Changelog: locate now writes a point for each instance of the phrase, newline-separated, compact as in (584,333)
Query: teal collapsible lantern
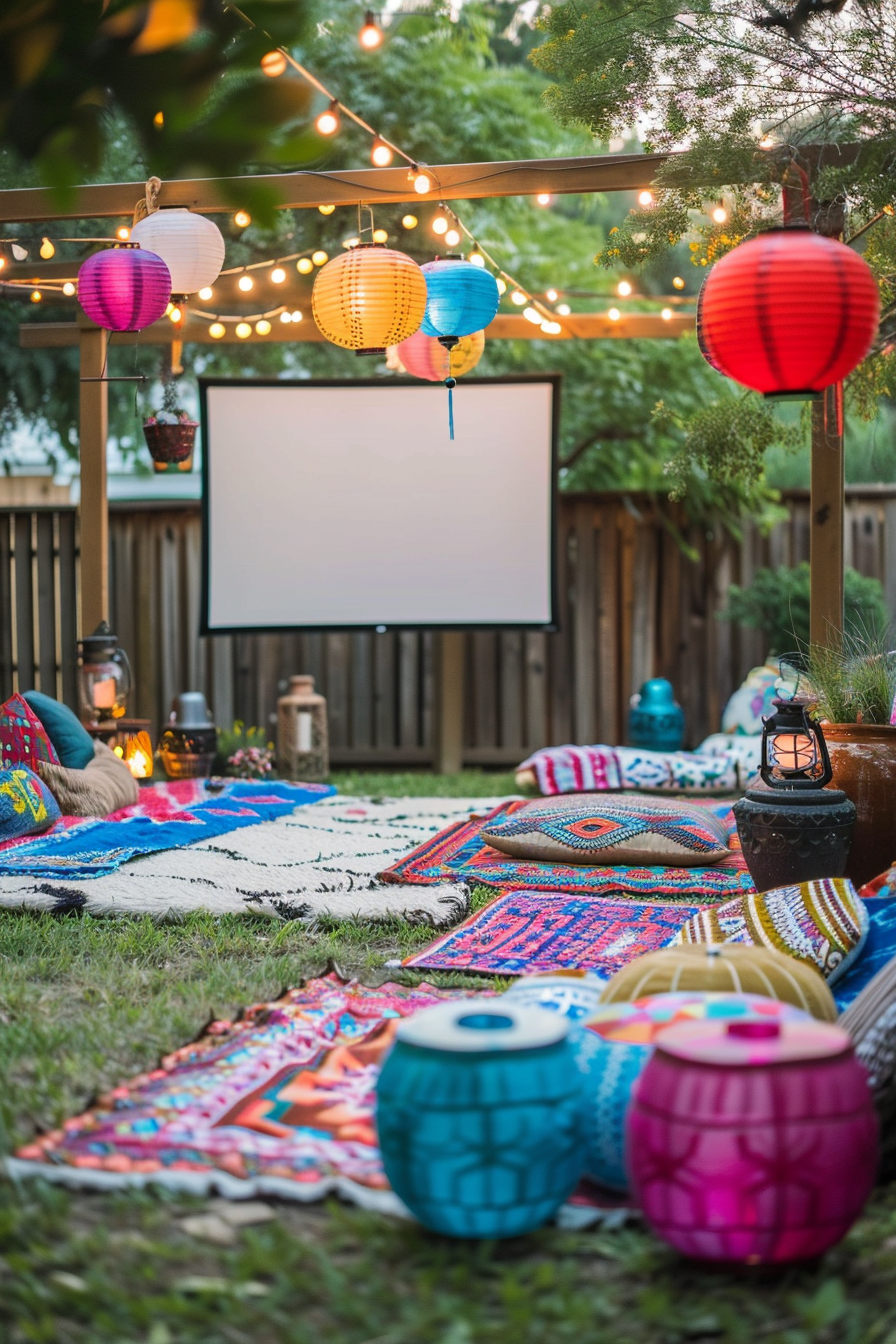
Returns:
(655,719)
(460,298)
(480,1117)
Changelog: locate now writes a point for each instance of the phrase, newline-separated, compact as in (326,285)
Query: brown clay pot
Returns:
(863,758)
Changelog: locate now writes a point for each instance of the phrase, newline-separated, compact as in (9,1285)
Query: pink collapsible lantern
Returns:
(752,1141)
(124,288)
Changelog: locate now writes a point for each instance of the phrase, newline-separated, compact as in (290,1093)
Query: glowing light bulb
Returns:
(304,265)
(351,242)
(371,35)
(278,275)
(263,327)
(217,330)
(36,296)
(720,214)
(440,224)
(476,259)
(551,328)
(422,183)
(552,296)
(2,263)
(532,315)
(176,315)
(296,315)
(409,221)
(286,317)
(159,120)
(645,198)
(666,314)
(47,250)
(614,314)
(380,154)
(380,236)
(328,122)
(243,330)
(767,142)
(242,219)
(623,289)
(319,257)
(452,237)
(206,293)
(169,310)
(518,297)
(246,283)
(68,289)
(677,282)
(502,284)
(543,198)
(326,209)
(563,309)
(273,64)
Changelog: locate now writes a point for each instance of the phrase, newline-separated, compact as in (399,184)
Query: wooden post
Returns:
(94,509)
(449,717)
(827,520)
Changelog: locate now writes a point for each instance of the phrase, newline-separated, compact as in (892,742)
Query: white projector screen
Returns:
(339,505)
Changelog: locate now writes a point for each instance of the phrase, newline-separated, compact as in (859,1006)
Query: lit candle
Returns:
(103,693)
(304,725)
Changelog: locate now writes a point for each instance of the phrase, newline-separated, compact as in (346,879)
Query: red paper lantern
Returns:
(788,313)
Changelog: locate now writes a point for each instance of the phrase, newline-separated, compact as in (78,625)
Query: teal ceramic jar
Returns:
(480,1117)
(655,719)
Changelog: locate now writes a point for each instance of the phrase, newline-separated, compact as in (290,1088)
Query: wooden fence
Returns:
(631,606)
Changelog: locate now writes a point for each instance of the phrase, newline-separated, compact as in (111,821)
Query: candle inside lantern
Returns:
(304,730)
(103,693)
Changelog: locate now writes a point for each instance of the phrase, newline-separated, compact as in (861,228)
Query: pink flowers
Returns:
(250,762)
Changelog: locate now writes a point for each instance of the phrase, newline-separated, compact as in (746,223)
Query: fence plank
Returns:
(46,604)
(24,590)
(68,606)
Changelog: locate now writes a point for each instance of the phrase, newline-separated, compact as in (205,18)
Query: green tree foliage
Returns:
(777,603)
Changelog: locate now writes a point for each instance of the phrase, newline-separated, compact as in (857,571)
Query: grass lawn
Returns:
(85,1003)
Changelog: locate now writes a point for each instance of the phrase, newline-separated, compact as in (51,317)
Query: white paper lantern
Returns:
(190,245)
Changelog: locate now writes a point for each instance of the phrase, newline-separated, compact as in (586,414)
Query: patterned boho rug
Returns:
(278,1103)
(524,932)
(459,854)
(320,860)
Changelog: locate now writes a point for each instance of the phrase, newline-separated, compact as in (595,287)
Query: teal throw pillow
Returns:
(26,804)
(73,743)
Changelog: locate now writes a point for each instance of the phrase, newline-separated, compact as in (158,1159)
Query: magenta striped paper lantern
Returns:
(124,288)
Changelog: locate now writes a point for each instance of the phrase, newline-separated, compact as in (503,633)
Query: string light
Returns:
(242,220)
(767,142)
(518,297)
(263,327)
(614,314)
(409,221)
(440,224)
(645,198)
(563,310)
(720,214)
(677,282)
(273,64)
(326,209)
(47,250)
(623,289)
(217,330)
(666,314)
(476,258)
(501,283)
(206,293)
(176,315)
(328,122)
(452,237)
(304,265)
(36,296)
(246,283)
(551,328)
(544,198)
(278,275)
(422,181)
(295,315)
(2,263)
(351,242)
(533,315)
(320,257)
(159,120)
(68,289)
(380,154)
(169,310)
(285,317)
(371,35)
(380,236)
(552,296)
(243,330)
(123,234)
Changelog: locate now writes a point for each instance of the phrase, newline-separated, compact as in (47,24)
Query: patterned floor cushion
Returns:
(27,806)
(23,738)
(588,829)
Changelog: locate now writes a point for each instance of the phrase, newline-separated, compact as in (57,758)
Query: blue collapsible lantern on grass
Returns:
(480,1117)
(460,298)
(655,719)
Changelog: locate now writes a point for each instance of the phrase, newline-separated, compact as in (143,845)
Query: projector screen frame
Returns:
(204,384)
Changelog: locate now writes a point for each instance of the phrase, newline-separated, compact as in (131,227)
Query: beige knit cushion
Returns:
(103,786)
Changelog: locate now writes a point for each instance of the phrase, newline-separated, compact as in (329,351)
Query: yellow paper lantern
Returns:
(425,357)
(368,298)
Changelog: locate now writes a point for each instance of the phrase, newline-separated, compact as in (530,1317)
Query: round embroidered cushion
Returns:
(727,968)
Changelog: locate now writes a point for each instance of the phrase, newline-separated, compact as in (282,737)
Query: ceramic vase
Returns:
(863,759)
(655,719)
(752,1142)
(479,1116)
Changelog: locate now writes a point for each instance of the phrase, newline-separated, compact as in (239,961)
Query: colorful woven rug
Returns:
(524,932)
(280,1103)
(165,817)
(459,853)
(879,948)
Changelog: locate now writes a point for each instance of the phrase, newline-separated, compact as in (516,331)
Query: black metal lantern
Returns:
(793,828)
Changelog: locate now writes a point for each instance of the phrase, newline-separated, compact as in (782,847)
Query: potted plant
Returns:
(170,433)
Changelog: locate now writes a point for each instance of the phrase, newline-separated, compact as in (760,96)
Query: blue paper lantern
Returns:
(480,1117)
(460,298)
(655,719)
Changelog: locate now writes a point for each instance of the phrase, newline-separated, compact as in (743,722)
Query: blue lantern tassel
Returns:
(451,384)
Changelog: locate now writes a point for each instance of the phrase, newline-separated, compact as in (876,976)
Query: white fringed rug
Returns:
(320,861)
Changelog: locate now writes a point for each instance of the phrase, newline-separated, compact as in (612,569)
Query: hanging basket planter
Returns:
(170,442)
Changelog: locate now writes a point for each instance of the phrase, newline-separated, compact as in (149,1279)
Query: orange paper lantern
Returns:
(425,357)
(369,298)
